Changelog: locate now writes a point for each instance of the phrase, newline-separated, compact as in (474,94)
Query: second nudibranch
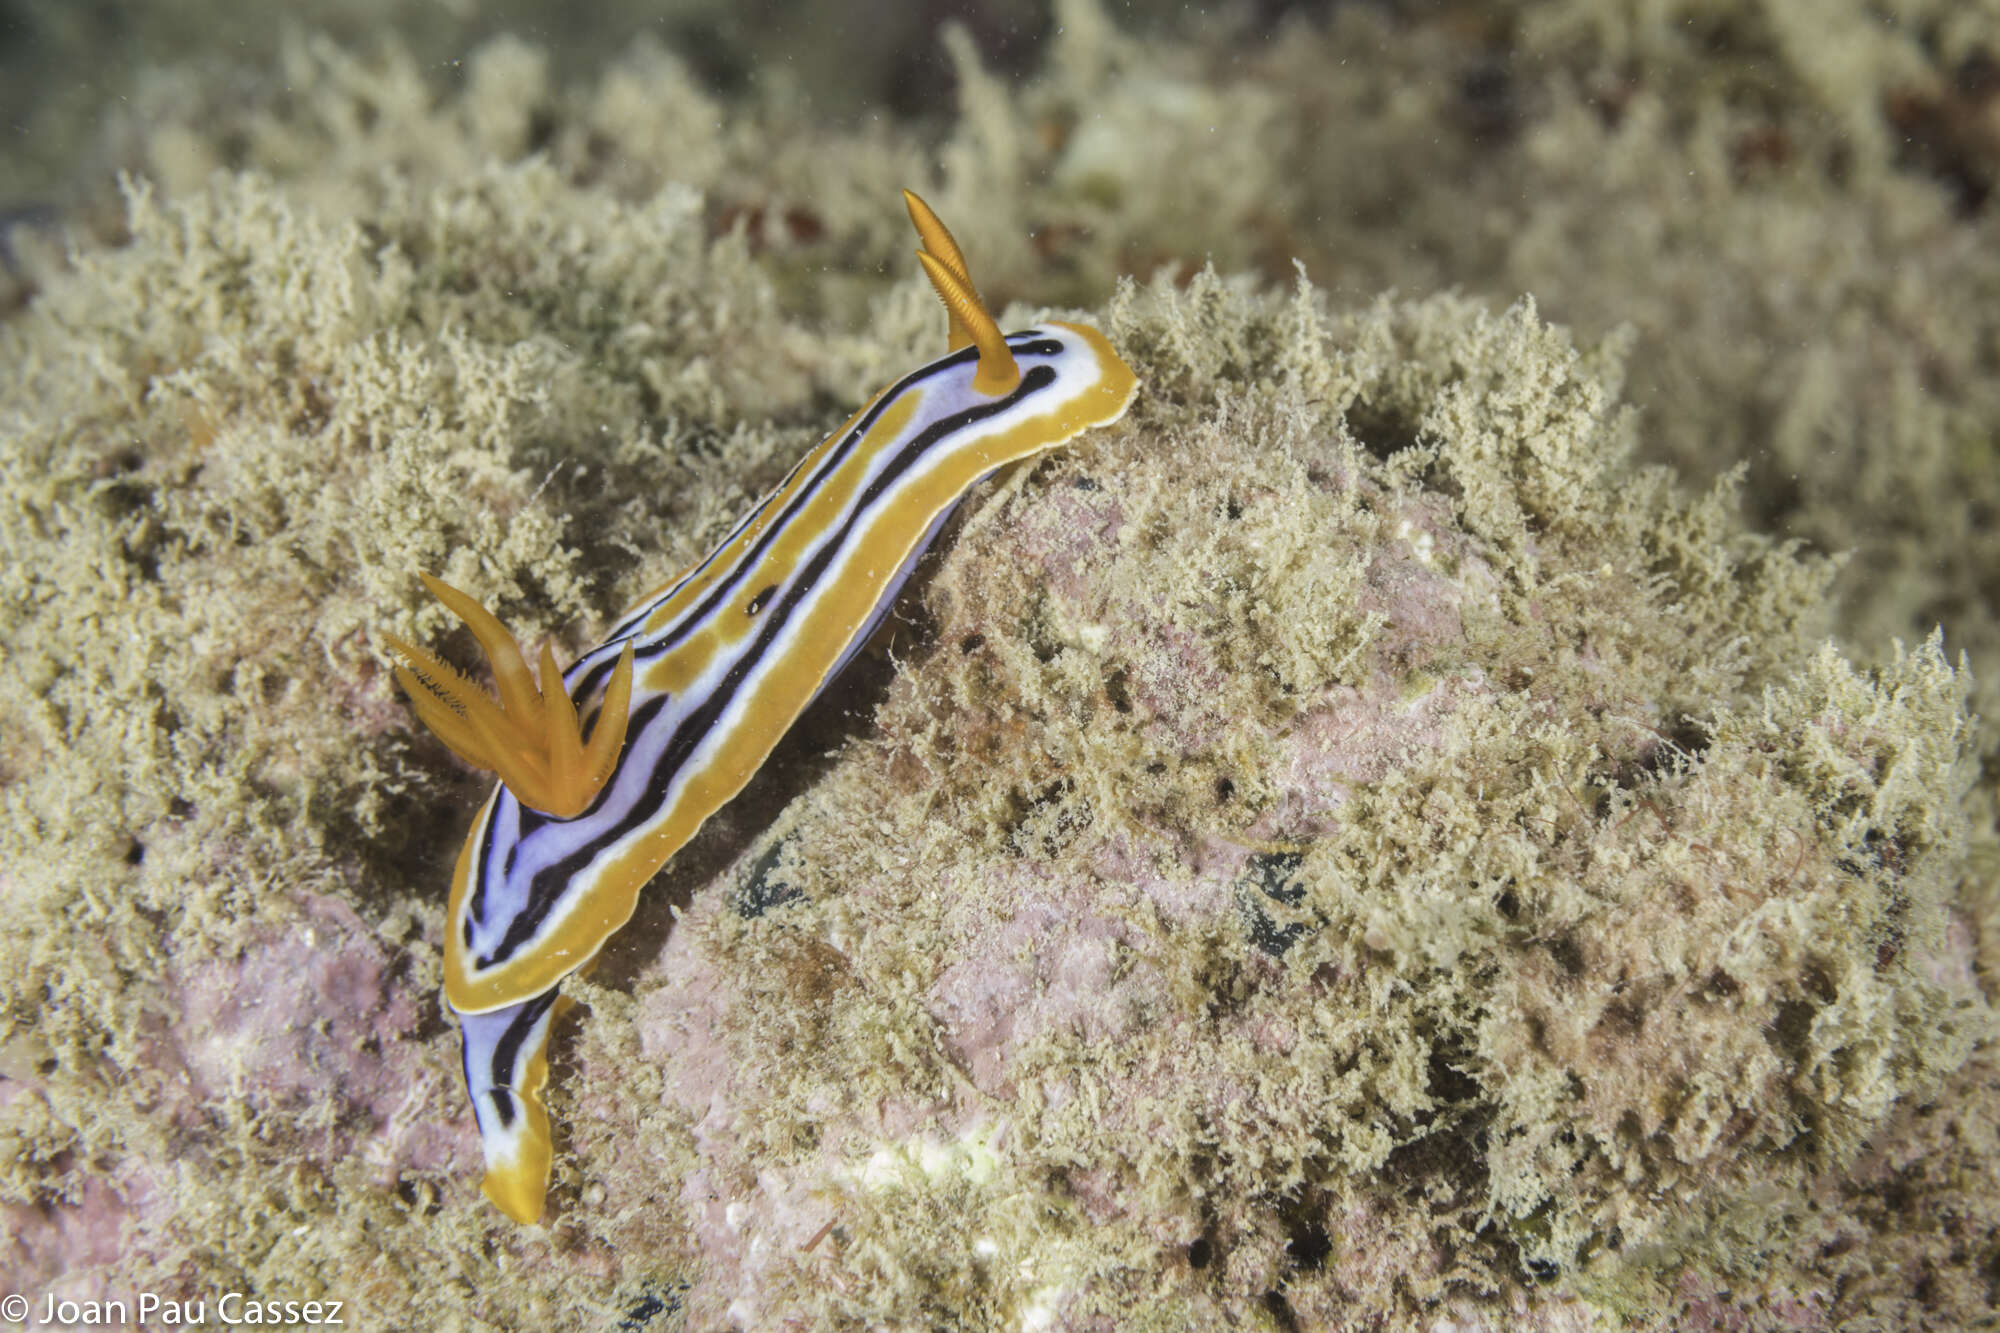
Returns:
(694,686)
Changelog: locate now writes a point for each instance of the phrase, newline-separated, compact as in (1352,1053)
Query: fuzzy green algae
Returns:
(1575,1002)
(1346,844)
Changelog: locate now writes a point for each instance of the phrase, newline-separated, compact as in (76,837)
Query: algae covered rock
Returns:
(1346,846)
(1347,842)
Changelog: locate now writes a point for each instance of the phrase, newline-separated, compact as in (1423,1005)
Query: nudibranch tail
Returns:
(506,1068)
(971,324)
(532,738)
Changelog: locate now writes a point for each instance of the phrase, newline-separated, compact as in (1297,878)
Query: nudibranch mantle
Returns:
(712,670)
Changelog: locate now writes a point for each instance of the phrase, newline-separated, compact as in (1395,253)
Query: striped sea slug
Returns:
(692,689)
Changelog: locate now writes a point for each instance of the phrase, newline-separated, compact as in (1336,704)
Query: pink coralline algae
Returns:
(298,1038)
(298,1026)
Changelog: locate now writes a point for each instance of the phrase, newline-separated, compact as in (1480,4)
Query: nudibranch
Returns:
(692,689)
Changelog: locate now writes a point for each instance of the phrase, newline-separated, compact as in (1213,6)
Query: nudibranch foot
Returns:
(532,739)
